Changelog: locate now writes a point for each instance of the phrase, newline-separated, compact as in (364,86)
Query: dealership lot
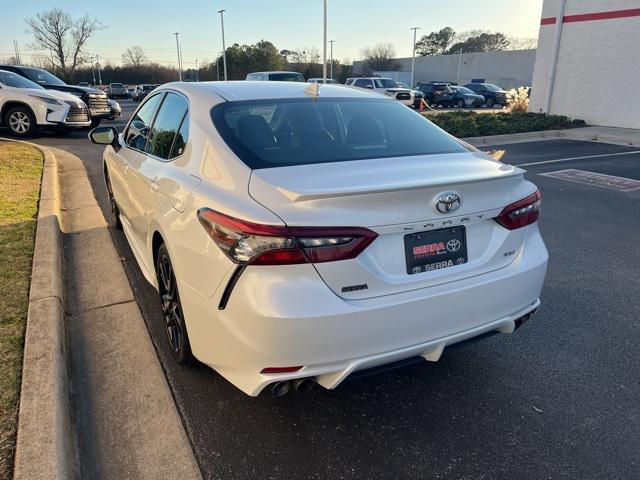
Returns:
(556,399)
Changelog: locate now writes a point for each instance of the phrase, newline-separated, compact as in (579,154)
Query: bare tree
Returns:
(134,56)
(380,57)
(55,31)
(520,43)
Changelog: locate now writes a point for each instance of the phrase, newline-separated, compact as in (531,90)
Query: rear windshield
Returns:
(286,132)
(286,77)
(117,85)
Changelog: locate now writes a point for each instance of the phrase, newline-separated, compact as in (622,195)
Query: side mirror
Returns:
(105,136)
(369,86)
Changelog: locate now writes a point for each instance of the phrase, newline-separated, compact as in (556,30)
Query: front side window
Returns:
(136,135)
(42,76)
(286,132)
(166,125)
(385,83)
(14,80)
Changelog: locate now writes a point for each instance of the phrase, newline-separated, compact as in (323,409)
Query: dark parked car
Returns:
(463,97)
(117,90)
(493,94)
(436,93)
(96,100)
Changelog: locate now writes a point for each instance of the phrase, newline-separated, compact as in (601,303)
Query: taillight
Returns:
(521,213)
(251,243)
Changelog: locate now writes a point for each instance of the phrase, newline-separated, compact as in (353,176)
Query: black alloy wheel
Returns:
(172,308)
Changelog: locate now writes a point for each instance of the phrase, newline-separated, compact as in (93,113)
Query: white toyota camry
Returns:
(299,233)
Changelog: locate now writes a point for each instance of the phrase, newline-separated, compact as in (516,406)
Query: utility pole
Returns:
(17,53)
(98,67)
(178,50)
(331,61)
(459,65)
(196,69)
(413,54)
(224,48)
(324,46)
(93,73)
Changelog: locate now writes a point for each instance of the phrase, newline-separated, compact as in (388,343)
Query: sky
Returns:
(288,24)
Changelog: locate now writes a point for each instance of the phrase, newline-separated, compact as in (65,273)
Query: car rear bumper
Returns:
(293,319)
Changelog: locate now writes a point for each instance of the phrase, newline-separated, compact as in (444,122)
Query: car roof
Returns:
(276,71)
(256,90)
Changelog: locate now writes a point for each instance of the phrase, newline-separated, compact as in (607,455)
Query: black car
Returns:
(493,94)
(436,93)
(463,97)
(95,99)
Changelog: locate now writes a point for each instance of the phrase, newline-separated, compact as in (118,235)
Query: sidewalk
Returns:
(124,420)
(614,135)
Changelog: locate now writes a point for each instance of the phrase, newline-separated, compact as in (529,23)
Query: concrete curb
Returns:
(45,442)
(587,134)
(511,138)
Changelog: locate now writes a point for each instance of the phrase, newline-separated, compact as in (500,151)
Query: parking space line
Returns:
(584,157)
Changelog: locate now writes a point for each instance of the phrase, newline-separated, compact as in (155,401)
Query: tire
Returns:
(460,103)
(490,102)
(115,211)
(175,328)
(21,121)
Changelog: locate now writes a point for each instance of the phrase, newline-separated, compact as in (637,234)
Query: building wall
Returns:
(598,65)
(508,69)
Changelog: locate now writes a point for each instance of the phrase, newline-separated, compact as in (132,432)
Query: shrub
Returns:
(519,100)
(472,124)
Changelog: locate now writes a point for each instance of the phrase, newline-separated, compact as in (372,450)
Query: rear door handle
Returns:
(155,185)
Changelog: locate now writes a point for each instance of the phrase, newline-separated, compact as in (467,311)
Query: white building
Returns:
(508,69)
(588,61)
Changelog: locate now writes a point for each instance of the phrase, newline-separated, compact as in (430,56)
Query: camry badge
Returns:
(448,202)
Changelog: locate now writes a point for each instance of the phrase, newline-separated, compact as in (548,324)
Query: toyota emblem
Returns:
(448,202)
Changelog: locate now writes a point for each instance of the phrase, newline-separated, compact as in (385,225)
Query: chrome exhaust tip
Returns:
(279,389)
(303,385)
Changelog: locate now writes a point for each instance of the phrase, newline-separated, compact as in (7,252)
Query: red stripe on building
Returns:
(588,17)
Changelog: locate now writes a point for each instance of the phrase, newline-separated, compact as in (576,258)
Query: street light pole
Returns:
(224,48)
(331,61)
(413,54)
(93,73)
(178,50)
(324,46)
(98,67)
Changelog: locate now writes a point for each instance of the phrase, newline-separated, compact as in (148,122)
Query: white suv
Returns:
(25,106)
(385,86)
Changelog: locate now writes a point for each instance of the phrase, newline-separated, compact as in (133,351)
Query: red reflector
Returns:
(521,213)
(280,369)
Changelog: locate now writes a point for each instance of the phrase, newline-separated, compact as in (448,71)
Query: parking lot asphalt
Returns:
(556,399)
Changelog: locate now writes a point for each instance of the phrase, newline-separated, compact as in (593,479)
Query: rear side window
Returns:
(166,125)
(285,132)
(136,136)
(180,142)
(362,83)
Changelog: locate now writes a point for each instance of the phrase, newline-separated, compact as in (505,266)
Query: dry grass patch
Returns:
(20,174)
